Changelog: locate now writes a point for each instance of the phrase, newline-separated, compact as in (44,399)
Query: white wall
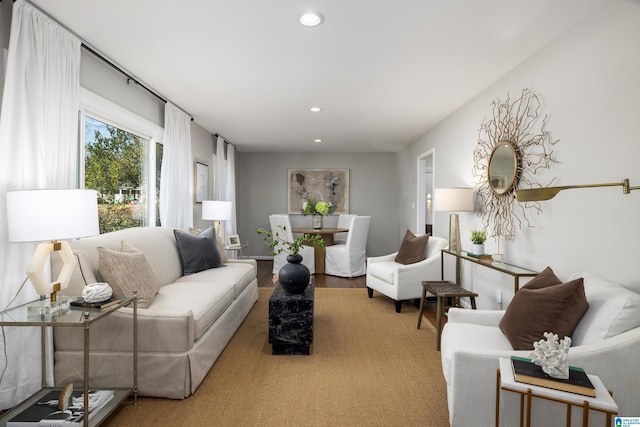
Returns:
(589,84)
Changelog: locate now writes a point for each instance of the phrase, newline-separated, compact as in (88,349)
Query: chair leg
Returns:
(398,306)
(370,292)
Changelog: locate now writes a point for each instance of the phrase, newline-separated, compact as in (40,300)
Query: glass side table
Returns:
(40,313)
(239,250)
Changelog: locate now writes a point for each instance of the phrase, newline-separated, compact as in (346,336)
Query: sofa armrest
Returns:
(478,317)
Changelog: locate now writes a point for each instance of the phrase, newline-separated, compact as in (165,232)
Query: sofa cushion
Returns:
(205,300)
(613,309)
(384,270)
(532,312)
(127,269)
(237,274)
(412,249)
(198,252)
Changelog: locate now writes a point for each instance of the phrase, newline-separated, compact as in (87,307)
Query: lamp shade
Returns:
(456,199)
(41,215)
(216,210)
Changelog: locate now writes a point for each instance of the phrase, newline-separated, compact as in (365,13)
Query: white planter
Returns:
(478,249)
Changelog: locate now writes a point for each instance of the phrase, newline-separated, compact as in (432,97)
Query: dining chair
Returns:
(344,221)
(281,224)
(349,259)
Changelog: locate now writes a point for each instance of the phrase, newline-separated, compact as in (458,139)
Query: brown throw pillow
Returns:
(413,248)
(127,269)
(532,312)
(544,279)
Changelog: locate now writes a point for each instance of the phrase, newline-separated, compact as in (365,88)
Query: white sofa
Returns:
(181,333)
(402,282)
(606,343)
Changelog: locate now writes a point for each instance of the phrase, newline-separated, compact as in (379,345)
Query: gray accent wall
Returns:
(261,181)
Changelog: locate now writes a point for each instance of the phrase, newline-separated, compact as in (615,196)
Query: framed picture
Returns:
(233,241)
(201,181)
(328,185)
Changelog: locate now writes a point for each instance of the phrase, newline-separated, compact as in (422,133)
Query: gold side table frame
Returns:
(603,402)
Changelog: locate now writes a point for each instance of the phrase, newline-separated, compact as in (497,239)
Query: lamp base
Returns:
(454,233)
(46,308)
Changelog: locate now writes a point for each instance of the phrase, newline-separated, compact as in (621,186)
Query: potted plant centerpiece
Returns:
(478,237)
(318,209)
(293,276)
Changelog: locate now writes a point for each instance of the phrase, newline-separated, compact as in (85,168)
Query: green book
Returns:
(527,372)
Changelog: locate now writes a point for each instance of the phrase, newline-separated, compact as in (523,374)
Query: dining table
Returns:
(318,251)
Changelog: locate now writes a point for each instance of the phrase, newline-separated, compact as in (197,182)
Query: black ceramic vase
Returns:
(294,276)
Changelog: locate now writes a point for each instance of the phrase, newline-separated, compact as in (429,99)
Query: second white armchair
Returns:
(402,282)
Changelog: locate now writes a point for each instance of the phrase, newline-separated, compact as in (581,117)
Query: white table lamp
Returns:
(50,215)
(217,211)
(454,200)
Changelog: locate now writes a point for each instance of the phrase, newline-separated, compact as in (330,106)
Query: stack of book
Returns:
(101,305)
(483,257)
(525,371)
(46,411)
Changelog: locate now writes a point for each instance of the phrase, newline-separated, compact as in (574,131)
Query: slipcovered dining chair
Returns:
(400,281)
(281,224)
(349,259)
(344,221)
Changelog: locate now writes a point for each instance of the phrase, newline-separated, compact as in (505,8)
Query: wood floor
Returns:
(265,279)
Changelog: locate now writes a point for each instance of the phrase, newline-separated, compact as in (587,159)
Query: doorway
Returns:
(424,208)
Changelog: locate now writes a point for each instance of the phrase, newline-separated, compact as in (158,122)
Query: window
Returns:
(121,164)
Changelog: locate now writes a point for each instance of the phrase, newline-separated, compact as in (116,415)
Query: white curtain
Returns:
(176,176)
(221,171)
(231,226)
(39,146)
(226,180)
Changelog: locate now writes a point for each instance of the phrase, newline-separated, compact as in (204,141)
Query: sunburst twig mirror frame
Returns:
(517,124)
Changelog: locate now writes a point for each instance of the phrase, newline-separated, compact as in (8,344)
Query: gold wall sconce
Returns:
(546,193)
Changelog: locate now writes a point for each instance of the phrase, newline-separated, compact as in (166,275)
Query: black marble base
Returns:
(291,321)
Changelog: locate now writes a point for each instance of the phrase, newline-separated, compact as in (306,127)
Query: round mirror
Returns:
(503,165)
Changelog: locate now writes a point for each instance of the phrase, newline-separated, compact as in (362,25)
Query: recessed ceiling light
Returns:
(317,140)
(311,19)
(315,109)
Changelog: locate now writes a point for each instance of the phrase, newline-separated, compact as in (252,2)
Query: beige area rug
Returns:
(369,366)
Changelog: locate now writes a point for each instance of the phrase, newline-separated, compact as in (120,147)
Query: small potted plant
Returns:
(478,237)
(293,276)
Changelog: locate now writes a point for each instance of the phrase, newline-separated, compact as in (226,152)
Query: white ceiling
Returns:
(384,71)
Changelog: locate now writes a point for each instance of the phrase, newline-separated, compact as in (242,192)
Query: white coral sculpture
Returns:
(552,355)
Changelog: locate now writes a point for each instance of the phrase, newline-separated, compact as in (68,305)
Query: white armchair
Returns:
(402,282)
(282,225)
(606,343)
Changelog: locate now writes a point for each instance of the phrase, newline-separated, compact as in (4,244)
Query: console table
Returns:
(291,321)
(503,267)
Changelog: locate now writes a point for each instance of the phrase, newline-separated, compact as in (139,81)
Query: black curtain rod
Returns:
(129,77)
(225,139)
